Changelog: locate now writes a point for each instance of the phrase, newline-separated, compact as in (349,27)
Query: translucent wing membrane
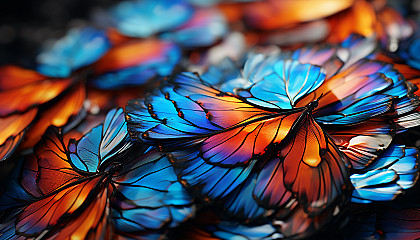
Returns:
(101,143)
(362,143)
(31,95)
(289,82)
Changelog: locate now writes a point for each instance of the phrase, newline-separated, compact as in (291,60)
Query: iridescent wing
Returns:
(289,82)
(187,111)
(148,195)
(212,181)
(101,144)
(362,91)
(241,205)
(395,170)
(53,168)
(269,190)
(205,28)
(47,212)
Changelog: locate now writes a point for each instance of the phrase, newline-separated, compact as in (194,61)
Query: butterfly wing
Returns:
(188,111)
(61,113)
(101,143)
(314,168)
(14,129)
(362,143)
(396,169)
(78,48)
(203,29)
(289,82)
(148,195)
(140,19)
(135,62)
(22,98)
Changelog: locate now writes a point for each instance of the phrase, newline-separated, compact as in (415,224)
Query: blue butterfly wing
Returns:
(211,181)
(149,195)
(145,18)
(241,205)
(384,179)
(79,48)
(289,82)
(101,143)
(232,230)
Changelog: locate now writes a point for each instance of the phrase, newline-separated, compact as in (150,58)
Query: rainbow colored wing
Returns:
(47,213)
(364,90)
(269,189)
(187,111)
(79,48)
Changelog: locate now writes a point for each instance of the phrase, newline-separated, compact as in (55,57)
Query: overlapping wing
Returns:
(187,111)
(135,62)
(148,195)
(101,143)
(314,168)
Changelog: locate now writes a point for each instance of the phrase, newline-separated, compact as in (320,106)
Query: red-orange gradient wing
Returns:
(57,115)
(314,169)
(13,130)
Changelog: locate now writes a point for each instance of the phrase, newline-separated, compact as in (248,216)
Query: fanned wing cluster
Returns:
(286,134)
(221,138)
(97,187)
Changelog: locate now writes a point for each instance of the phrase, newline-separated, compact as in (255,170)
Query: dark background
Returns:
(26,24)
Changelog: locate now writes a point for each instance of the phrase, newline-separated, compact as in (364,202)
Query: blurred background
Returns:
(25,24)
